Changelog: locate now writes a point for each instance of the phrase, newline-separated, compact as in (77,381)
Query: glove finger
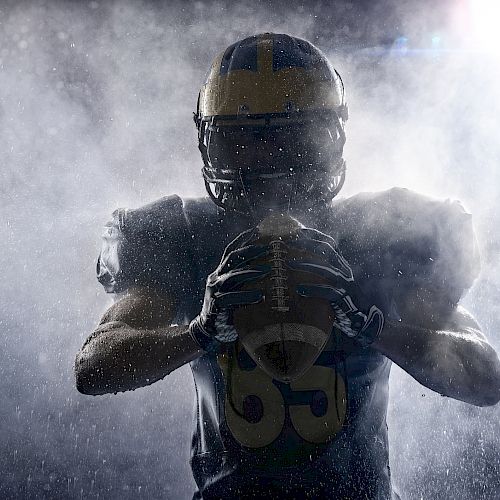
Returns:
(338,297)
(325,292)
(374,323)
(234,279)
(240,241)
(328,252)
(233,299)
(344,323)
(327,272)
(242,256)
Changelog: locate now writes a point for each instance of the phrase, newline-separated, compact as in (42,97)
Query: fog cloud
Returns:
(96,112)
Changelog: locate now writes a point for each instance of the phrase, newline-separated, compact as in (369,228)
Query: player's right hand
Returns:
(214,325)
(355,316)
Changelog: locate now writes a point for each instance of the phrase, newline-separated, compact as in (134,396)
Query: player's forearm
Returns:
(463,367)
(119,358)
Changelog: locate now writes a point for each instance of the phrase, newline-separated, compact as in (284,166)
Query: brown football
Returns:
(285,333)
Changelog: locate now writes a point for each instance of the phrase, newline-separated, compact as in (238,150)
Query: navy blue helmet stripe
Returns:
(287,52)
(240,55)
(291,52)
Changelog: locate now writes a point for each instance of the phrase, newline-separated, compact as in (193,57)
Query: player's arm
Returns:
(439,344)
(134,345)
(446,352)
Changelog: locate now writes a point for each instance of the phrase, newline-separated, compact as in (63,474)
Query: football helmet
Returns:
(270,119)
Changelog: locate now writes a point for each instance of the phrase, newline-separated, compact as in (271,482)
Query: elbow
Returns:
(487,386)
(489,400)
(478,396)
(96,374)
(82,384)
(489,394)
(93,366)
(87,378)
(83,376)
(475,381)
(486,396)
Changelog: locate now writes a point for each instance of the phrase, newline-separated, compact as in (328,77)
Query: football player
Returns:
(270,120)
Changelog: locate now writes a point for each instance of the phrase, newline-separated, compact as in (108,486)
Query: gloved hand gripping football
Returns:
(355,317)
(213,326)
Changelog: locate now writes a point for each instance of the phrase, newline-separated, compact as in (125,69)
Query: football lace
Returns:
(279,290)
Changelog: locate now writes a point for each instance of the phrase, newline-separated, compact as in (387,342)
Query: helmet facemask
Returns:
(287,163)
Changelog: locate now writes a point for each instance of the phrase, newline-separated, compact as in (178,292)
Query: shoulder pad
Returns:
(147,246)
(200,211)
(409,240)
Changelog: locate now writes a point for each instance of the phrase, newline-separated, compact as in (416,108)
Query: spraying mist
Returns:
(96,110)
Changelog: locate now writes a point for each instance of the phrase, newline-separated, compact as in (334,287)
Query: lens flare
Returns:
(484,18)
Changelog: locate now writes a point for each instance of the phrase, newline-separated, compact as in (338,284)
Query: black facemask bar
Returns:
(230,183)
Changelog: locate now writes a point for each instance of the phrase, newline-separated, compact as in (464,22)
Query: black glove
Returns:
(355,317)
(214,326)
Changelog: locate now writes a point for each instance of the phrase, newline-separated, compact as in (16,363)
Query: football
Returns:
(285,333)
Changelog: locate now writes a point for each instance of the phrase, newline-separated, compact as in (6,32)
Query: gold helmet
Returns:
(270,120)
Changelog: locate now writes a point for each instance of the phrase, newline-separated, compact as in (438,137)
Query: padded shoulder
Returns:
(147,246)
(411,242)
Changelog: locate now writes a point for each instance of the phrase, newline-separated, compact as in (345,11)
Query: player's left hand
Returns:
(355,317)
(224,292)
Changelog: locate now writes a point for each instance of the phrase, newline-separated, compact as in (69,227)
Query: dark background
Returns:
(95,113)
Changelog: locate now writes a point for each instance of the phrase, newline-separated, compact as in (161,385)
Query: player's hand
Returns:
(223,293)
(355,316)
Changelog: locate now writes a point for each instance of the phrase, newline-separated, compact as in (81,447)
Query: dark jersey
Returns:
(325,432)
